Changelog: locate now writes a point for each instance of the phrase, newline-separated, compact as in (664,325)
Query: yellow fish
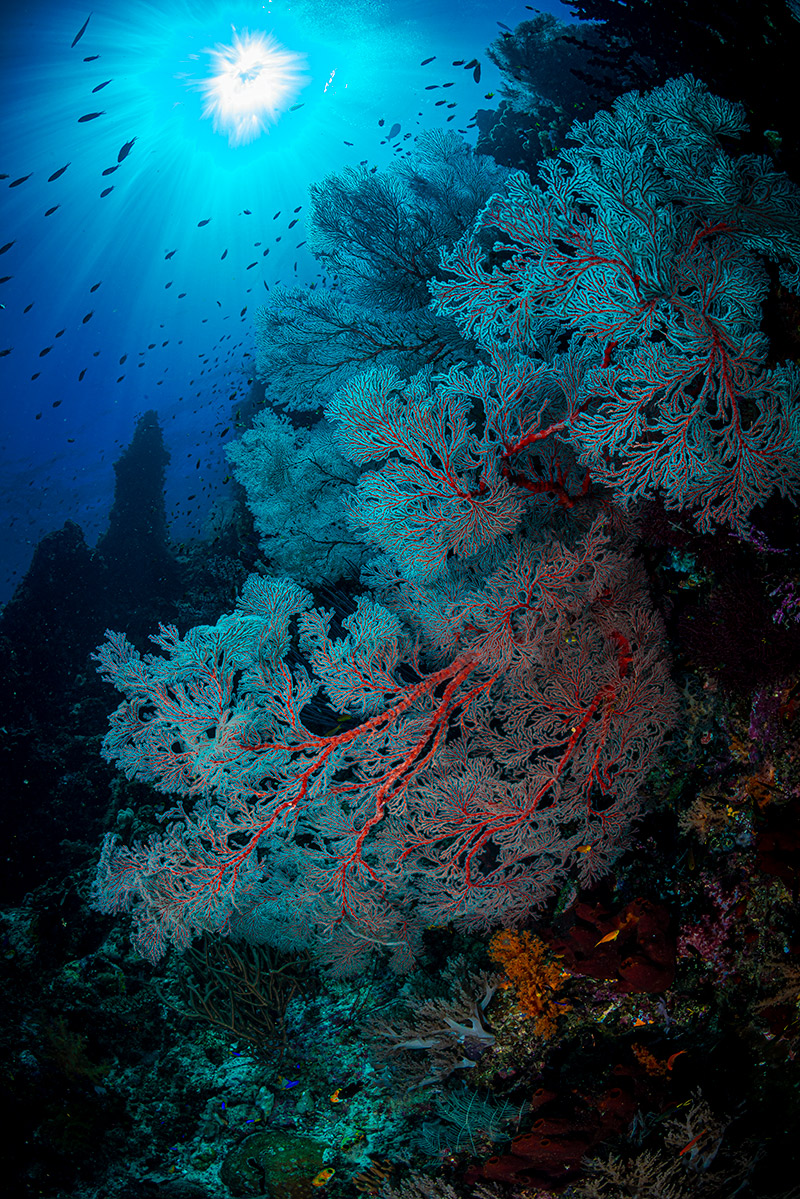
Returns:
(324,1176)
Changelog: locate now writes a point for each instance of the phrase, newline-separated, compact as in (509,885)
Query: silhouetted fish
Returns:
(92,58)
(50,211)
(90,116)
(111,170)
(100,86)
(126,149)
(106,192)
(57,174)
(169,254)
(95,286)
(476,74)
(393,132)
(80,32)
(7,246)
(17,182)
(200,224)
(425,61)
(88,317)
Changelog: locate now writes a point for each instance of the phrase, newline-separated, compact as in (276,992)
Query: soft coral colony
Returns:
(473,723)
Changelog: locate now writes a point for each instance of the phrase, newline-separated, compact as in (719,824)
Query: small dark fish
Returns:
(393,132)
(502,26)
(473,62)
(17,182)
(90,116)
(57,174)
(7,246)
(425,61)
(476,74)
(381,122)
(431,87)
(46,350)
(299,206)
(448,85)
(56,404)
(293,223)
(169,254)
(100,86)
(92,58)
(5,353)
(80,32)
(250,267)
(95,286)
(247,212)
(167,286)
(88,317)
(27,308)
(106,192)
(223,255)
(200,224)
(81,375)
(244,310)
(6,278)
(459,62)
(348,143)
(111,170)
(277,214)
(123,359)
(295,107)
(126,149)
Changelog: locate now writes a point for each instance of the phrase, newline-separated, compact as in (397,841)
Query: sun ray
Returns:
(252,81)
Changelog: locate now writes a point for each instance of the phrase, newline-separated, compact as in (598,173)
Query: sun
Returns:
(250,82)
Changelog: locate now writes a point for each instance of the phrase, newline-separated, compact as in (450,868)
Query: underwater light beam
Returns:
(252,81)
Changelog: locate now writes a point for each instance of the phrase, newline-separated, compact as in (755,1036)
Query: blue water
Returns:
(172,333)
